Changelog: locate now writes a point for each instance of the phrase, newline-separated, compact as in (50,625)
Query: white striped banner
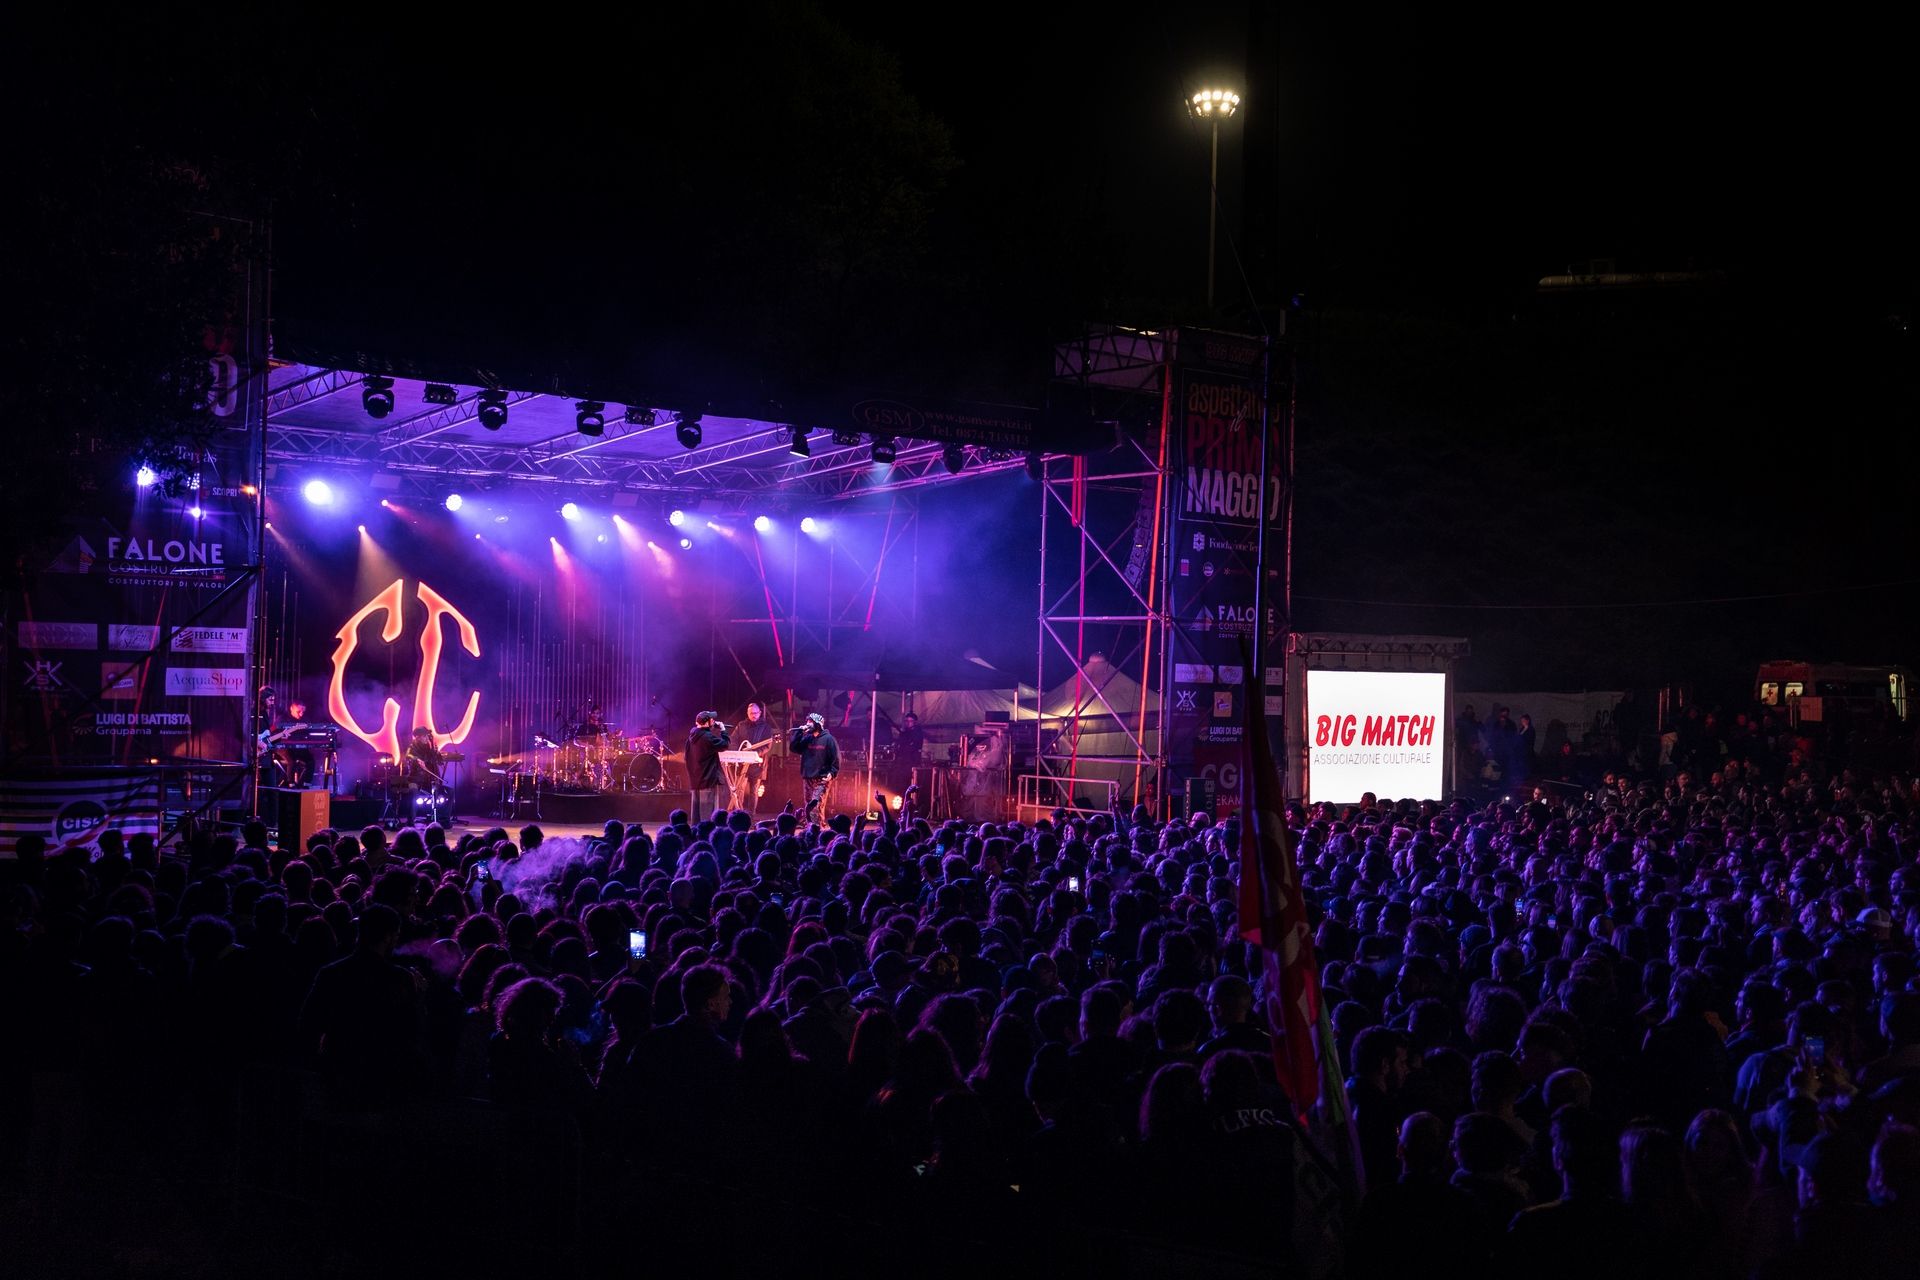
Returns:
(71,812)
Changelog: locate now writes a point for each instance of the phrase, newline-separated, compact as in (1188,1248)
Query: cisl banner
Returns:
(1375,731)
(1217,409)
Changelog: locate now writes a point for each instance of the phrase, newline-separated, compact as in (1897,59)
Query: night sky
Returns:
(1599,489)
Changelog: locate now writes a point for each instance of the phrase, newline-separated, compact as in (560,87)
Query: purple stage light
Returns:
(318,492)
(146,477)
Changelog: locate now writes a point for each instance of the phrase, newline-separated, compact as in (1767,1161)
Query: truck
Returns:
(1809,690)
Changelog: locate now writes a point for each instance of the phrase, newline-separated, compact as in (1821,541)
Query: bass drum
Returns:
(641,773)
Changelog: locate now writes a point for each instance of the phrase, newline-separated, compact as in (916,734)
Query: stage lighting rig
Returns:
(639,416)
(688,431)
(800,448)
(846,438)
(590,418)
(376,395)
(885,450)
(493,409)
(439,393)
(954,458)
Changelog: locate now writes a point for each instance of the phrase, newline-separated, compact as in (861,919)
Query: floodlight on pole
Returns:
(1213,106)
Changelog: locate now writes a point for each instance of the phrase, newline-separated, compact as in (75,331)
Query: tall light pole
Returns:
(1213,106)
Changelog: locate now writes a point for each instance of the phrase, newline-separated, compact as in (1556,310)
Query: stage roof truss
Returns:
(316,418)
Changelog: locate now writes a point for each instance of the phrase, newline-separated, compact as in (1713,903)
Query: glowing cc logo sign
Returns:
(387,739)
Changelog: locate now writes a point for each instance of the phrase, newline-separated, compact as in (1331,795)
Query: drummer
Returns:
(755,732)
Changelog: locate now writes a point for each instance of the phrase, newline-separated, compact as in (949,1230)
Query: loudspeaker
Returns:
(1200,794)
(351,813)
(300,813)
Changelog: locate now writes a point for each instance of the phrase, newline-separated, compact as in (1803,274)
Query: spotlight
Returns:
(145,477)
(600,538)
(800,448)
(954,458)
(195,511)
(570,510)
(455,502)
(193,482)
(493,409)
(885,450)
(500,519)
(439,393)
(676,518)
(363,528)
(686,544)
(639,416)
(846,437)
(318,492)
(688,431)
(762,525)
(386,504)
(808,524)
(590,418)
(376,395)
(1036,466)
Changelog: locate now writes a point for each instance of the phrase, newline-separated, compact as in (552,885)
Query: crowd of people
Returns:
(1669,1024)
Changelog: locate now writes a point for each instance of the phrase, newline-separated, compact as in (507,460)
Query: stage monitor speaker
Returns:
(351,813)
(300,813)
(1200,796)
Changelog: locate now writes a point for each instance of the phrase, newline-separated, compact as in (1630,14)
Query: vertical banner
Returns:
(1215,416)
(132,643)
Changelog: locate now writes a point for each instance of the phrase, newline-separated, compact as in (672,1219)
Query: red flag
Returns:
(1273,915)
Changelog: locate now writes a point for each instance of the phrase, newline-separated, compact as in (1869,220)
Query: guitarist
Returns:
(755,733)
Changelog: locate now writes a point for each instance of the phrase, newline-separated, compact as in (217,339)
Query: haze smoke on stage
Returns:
(535,875)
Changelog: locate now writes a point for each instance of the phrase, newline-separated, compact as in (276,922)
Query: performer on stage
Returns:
(819,761)
(912,741)
(705,778)
(292,765)
(756,734)
(422,768)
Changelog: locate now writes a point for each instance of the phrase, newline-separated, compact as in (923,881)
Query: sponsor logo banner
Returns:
(1378,731)
(210,640)
(122,683)
(1193,672)
(206,682)
(132,636)
(37,634)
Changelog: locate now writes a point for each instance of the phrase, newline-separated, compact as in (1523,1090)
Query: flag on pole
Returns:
(1273,915)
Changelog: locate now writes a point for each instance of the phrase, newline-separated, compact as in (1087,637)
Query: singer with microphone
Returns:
(819,763)
(705,778)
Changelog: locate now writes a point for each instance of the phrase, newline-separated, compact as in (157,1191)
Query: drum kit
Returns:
(588,757)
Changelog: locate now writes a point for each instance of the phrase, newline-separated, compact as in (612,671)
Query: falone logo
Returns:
(386,739)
